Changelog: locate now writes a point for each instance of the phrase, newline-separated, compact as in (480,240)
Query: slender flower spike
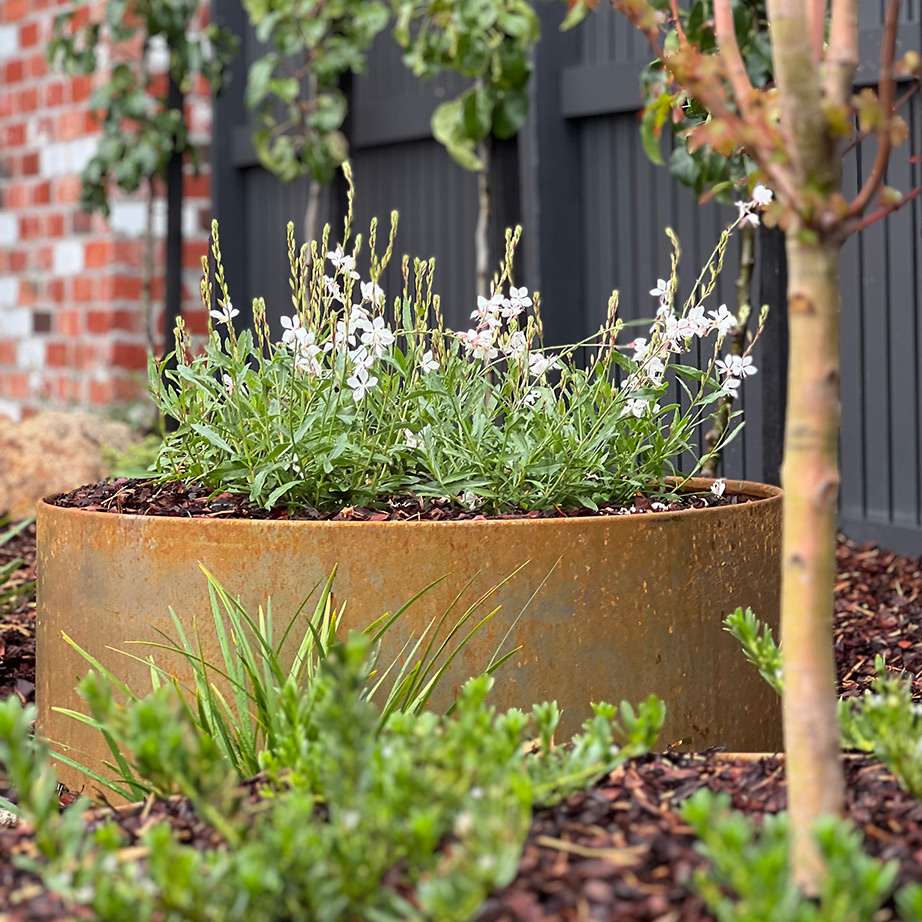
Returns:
(762,196)
(428,363)
(718,487)
(226,315)
(360,383)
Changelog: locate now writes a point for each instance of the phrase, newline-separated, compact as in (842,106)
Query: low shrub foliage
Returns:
(416,818)
(364,399)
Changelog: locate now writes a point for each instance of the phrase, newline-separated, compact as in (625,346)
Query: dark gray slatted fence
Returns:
(594,210)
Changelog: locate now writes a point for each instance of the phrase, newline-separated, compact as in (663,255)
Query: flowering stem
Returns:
(715,435)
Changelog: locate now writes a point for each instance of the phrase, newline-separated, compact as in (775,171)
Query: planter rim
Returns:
(762,493)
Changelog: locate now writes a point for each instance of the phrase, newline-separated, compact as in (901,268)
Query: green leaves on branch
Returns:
(486,41)
(295,89)
(140,130)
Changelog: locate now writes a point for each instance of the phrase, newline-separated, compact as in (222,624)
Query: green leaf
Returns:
(448,130)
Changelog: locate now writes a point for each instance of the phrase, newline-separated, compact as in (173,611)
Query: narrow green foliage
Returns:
(251,705)
(13,591)
(353,814)
(749,877)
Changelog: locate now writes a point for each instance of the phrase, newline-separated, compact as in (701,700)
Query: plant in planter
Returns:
(796,134)
(375,440)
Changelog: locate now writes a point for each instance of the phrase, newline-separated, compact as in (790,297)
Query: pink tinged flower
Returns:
(762,196)
(479,343)
(718,487)
(226,314)
(722,320)
(697,322)
(360,383)
(378,337)
(428,363)
(487,309)
(640,347)
(747,215)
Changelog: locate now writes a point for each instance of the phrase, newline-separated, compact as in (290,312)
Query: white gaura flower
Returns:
(518,300)
(359,318)
(488,310)
(539,364)
(731,388)
(292,329)
(378,337)
(361,357)
(697,322)
(410,439)
(718,487)
(226,314)
(360,383)
(655,369)
(747,215)
(531,398)
(762,196)
(676,330)
(516,346)
(343,262)
(372,292)
(736,366)
(308,363)
(479,343)
(640,347)
(468,499)
(428,363)
(228,383)
(333,289)
(661,291)
(722,320)
(636,407)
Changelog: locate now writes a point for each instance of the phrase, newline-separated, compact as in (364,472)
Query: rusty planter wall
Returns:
(633,606)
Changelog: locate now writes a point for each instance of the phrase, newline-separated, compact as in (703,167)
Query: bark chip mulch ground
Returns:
(17,618)
(192,500)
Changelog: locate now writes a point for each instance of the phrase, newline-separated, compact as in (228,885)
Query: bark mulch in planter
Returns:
(619,852)
(191,500)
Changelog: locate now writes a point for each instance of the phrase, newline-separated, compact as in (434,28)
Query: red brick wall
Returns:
(72,323)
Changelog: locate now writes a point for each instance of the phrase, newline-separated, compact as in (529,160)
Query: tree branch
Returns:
(816,22)
(730,52)
(842,55)
(883,212)
(886,92)
(899,104)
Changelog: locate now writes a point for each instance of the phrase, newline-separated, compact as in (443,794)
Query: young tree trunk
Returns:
(147,278)
(810,477)
(312,211)
(482,232)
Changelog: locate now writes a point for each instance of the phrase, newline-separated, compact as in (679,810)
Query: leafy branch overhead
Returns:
(295,88)
(140,127)
(486,41)
(667,105)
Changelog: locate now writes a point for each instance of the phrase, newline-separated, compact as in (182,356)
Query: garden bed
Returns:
(618,851)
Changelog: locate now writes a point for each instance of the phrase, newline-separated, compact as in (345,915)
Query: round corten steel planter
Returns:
(629,604)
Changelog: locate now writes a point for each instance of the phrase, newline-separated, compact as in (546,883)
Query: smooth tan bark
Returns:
(810,477)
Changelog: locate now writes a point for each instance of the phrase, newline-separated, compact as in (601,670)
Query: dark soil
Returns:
(619,852)
(179,498)
(17,618)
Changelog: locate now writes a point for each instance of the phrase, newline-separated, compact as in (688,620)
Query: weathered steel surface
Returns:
(632,605)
